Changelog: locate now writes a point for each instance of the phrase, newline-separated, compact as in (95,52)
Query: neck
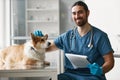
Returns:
(84,29)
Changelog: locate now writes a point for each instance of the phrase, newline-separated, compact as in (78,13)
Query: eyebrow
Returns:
(79,11)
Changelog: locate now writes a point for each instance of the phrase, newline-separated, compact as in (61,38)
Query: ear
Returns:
(88,12)
(32,36)
(46,36)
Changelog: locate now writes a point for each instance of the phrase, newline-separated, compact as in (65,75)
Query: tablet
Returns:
(78,61)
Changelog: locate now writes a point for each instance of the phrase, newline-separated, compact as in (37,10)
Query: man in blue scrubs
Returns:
(86,40)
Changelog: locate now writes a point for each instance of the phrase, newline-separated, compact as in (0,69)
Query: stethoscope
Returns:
(73,37)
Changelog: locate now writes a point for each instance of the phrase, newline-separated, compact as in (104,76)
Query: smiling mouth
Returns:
(79,19)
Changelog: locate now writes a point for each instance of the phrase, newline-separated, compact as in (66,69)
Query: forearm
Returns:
(107,67)
(52,47)
(95,69)
(109,63)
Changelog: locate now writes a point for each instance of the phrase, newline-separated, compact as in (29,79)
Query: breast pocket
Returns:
(91,53)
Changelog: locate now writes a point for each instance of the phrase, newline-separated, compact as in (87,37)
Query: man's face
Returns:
(79,15)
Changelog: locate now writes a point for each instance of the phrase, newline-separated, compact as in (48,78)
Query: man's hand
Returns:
(38,33)
(95,69)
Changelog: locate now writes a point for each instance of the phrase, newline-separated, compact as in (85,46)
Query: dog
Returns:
(30,53)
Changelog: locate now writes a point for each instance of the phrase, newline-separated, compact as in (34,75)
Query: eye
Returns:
(74,13)
(42,40)
(80,12)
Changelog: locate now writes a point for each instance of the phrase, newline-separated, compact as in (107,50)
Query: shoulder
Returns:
(63,37)
(66,34)
(98,32)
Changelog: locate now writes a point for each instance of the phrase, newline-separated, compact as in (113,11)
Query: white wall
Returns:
(105,14)
(2,23)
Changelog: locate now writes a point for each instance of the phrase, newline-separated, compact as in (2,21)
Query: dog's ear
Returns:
(46,36)
(32,35)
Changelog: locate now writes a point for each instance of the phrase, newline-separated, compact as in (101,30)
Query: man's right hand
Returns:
(38,33)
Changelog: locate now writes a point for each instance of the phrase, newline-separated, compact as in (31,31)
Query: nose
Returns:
(77,16)
(49,43)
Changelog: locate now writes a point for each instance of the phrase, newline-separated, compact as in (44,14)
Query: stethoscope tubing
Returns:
(72,44)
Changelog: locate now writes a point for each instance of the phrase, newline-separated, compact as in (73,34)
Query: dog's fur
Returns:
(30,53)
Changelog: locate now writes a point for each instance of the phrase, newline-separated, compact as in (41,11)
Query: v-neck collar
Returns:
(82,37)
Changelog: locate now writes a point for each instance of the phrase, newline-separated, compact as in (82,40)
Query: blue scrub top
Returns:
(72,42)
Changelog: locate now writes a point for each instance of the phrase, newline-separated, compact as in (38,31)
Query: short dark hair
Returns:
(81,3)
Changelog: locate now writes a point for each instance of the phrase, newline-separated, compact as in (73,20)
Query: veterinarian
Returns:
(86,40)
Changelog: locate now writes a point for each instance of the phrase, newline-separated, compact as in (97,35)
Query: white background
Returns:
(105,14)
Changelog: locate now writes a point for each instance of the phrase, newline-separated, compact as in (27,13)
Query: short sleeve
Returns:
(104,45)
(59,41)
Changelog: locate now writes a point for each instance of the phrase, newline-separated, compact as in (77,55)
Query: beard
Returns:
(81,22)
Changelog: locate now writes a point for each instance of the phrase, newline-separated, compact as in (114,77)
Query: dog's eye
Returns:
(42,40)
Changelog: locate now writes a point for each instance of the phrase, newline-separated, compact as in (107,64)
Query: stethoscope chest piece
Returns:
(90,45)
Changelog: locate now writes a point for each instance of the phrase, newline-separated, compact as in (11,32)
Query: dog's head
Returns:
(40,42)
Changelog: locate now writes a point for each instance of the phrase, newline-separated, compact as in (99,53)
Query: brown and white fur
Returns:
(30,53)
